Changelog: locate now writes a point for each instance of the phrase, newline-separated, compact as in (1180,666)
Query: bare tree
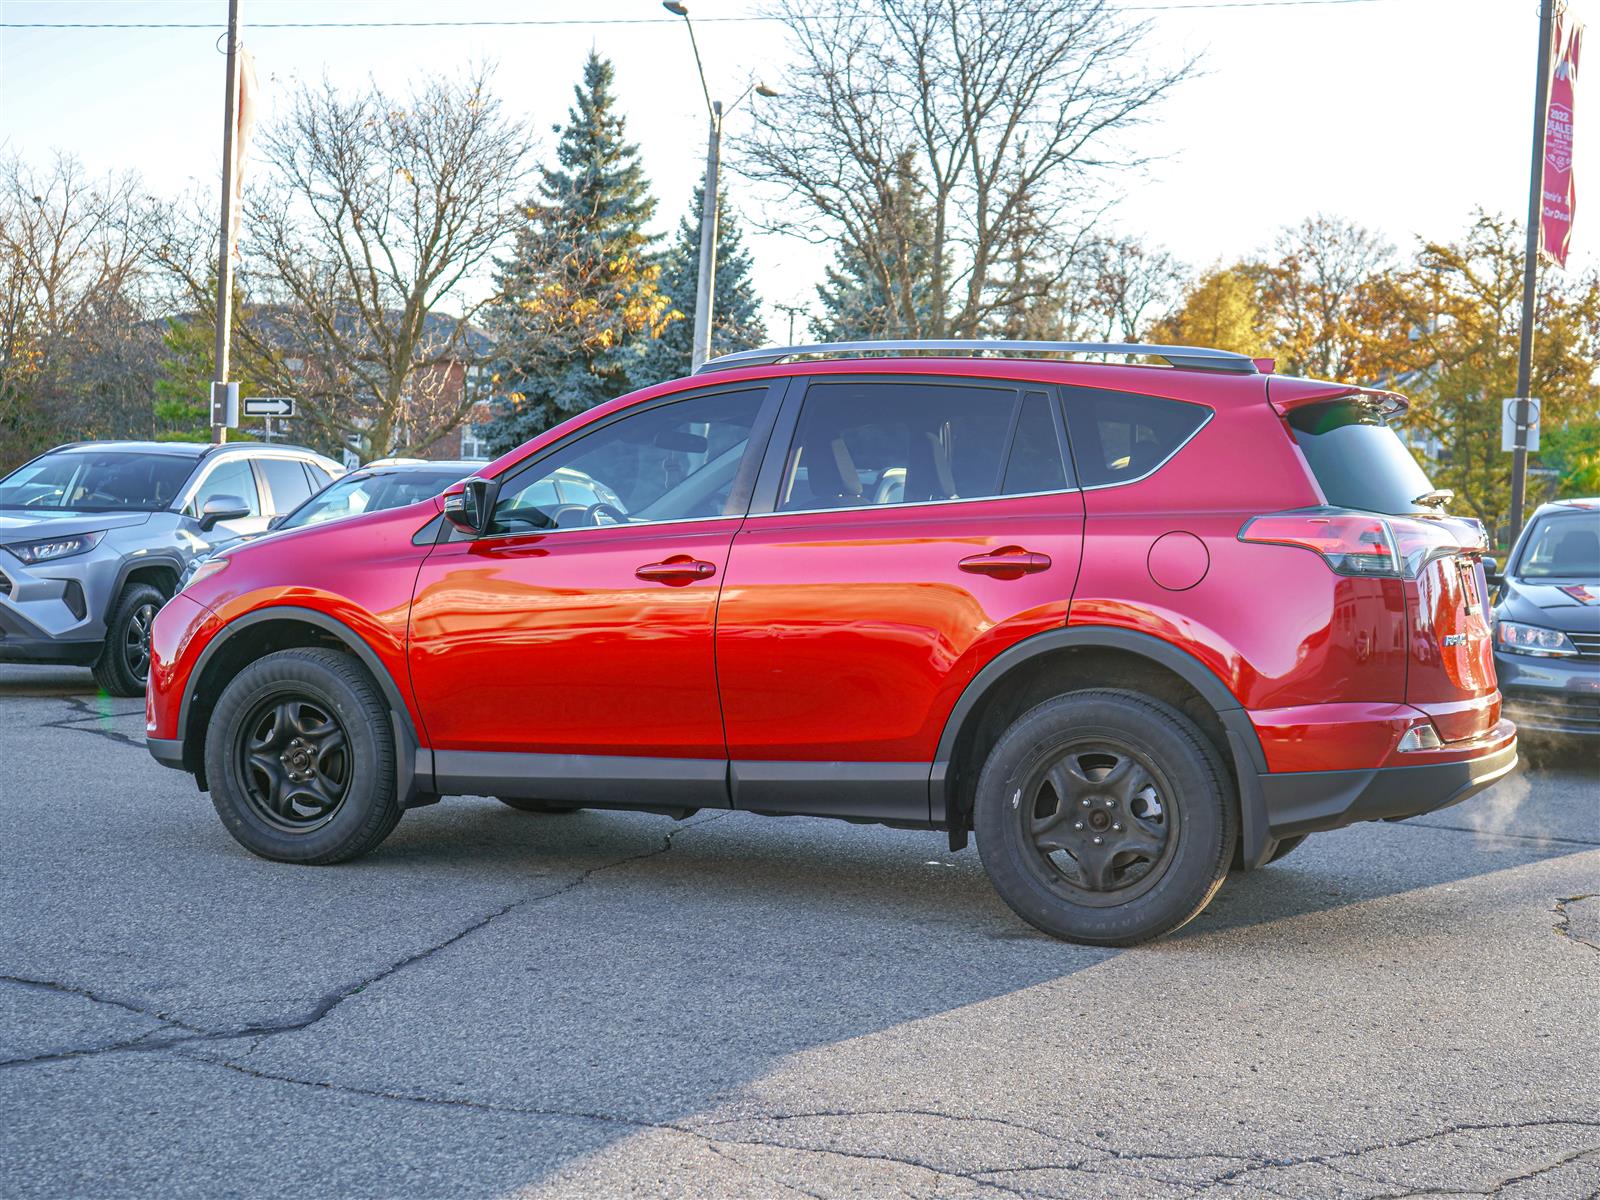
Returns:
(1007,112)
(77,355)
(373,211)
(1324,290)
(1127,283)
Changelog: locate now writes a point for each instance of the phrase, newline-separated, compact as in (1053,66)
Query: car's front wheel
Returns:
(124,662)
(300,758)
(1102,817)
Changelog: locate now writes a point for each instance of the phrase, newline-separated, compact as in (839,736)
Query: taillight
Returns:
(1357,543)
(1350,543)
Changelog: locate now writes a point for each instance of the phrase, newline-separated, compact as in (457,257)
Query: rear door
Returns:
(905,531)
(1360,463)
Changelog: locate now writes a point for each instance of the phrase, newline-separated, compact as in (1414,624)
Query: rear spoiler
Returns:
(1287,394)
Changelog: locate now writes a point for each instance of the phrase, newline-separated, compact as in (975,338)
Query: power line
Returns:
(591,21)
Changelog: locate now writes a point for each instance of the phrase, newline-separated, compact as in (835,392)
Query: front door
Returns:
(579,631)
(916,529)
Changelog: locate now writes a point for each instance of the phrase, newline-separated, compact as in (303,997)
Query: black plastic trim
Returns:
(48,650)
(1243,743)
(1310,801)
(614,781)
(412,781)
(893,792)
(164,561)
(166,751)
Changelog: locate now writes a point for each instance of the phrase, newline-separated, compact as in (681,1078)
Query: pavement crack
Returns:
(1563,913)
(330,1002)
(1516,837)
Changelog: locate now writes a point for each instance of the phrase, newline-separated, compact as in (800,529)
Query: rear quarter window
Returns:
(1118,437)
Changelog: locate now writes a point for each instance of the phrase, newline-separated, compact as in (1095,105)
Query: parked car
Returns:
(94,536)
(1130,623)
(390,483)
(1547,623)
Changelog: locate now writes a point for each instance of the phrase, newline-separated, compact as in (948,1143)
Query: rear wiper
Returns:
(1437,498)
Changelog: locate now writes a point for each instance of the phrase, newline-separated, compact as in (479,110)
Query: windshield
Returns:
(357,494)
(97,481)
(1562,546)
(1358,460)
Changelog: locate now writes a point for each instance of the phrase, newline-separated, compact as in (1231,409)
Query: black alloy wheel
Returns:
(136,639)
(1105,817)
(124,662)
(294,761)
(1101,821)
(301,760)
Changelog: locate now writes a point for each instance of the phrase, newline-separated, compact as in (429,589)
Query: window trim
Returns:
(1062,399)
(775,463)
(743,477)
(187,496)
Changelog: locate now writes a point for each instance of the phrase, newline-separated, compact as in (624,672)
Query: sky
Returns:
(1402,115)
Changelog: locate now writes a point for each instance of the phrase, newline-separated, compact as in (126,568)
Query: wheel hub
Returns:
(300,760)
(1097,821)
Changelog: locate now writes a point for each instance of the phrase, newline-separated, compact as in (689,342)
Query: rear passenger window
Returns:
(1118,437)
(863,443)
(286,481)
(1035,464)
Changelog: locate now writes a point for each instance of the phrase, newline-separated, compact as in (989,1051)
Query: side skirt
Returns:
(602,781)
(890,793)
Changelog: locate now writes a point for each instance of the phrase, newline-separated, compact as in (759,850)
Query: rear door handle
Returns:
(677,570)
(1008,562)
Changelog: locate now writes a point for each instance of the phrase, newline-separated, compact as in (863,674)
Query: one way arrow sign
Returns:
(268,406)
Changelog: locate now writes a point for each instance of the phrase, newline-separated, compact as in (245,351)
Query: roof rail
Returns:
(1193,358)
(299,449)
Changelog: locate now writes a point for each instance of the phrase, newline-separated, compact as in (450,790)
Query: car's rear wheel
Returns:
(300,758)
(1102,817)
(547,807)
(124,662)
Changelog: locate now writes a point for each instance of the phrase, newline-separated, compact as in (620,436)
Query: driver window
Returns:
(230,479)
(674,462)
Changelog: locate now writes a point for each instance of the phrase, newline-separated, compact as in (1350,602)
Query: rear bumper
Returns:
(1309,801)
(166,751)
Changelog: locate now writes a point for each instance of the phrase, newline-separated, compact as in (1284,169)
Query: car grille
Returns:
(1576,713)
(1588,644)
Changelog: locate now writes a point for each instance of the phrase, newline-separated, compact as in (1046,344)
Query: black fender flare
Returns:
(413,764)
(1244,745)
(160,558)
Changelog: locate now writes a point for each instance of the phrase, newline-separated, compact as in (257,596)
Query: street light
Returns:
(705,290)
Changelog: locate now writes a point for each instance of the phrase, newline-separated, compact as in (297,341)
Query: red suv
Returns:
(1129,623)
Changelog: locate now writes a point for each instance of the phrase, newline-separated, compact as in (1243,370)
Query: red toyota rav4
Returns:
(1130,623)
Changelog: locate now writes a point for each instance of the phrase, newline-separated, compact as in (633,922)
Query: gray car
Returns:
(94,537)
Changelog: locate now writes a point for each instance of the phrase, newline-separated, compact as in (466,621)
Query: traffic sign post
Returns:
(1510,421)
(269,406)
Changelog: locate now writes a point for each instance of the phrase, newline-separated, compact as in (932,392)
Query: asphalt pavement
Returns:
(612,1004)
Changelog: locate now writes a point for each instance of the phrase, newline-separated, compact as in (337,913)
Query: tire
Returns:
(332,796)
(124,662)
(1145,782)
(545,807)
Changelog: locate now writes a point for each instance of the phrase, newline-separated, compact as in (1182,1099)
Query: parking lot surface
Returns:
(612,1004)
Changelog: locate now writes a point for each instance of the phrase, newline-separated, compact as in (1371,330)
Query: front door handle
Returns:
(677,570)
(1008,562)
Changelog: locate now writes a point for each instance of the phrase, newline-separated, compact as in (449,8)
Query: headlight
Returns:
(202,570)
(53,548)
(1517,638)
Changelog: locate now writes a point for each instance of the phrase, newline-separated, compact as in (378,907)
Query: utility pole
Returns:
(219,431)
(705,283)
(1530,273)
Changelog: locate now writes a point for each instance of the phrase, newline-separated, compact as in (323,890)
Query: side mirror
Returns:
(469,505)
(222,508)
(1491,570)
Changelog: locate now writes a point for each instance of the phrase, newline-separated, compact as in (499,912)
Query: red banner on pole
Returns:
(1559,192)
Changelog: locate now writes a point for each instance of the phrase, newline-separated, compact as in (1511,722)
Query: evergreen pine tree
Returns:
(580,295)
(855,302)
(736,319)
